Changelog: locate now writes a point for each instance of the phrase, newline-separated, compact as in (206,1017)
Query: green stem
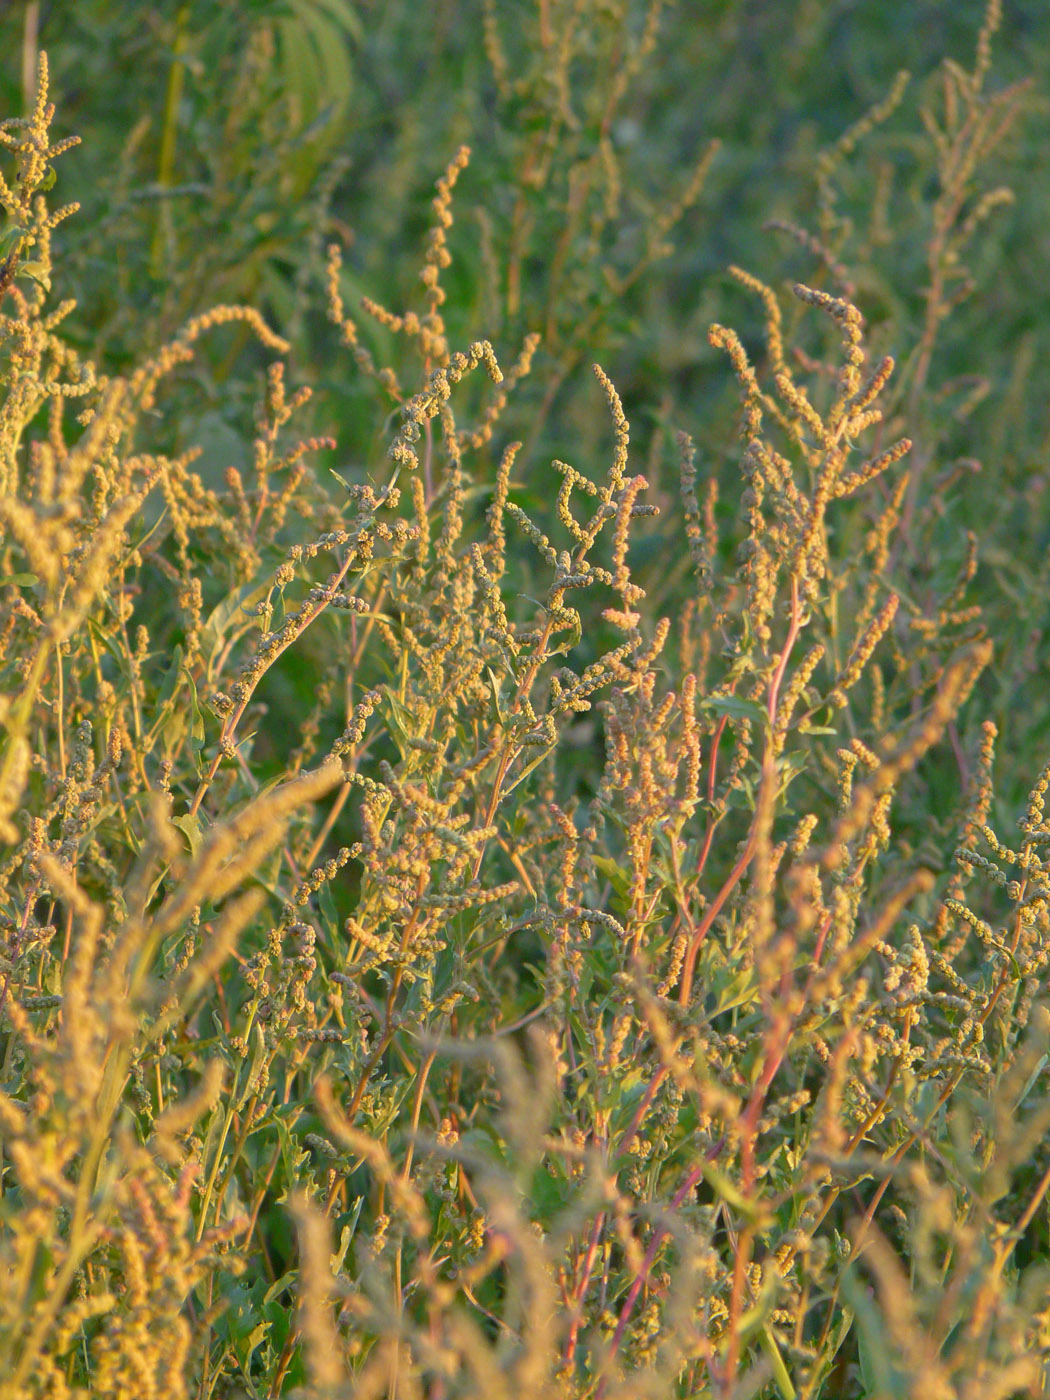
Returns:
(164,233)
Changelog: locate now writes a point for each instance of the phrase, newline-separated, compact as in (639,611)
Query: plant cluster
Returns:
(447,950)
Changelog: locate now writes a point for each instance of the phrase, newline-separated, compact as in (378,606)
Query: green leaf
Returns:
(232,615)
(615,874)
(259,1053)
(789,766)
(780,1371)
(401,722)
(197,720)
(567,646)
(169,718)
(736,708)
(1043,1061)
(497,695)
(190,827)
(293,1155)
(109,642)
(878,1373)
(37,271)
(287,1280)
(535,763)
(542,606)
(10,240)
(171,679)
(327,907)
(739,989)
(346,1234)
(344,16)
(732,1195)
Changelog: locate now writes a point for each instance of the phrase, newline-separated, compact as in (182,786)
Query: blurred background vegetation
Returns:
(226,145)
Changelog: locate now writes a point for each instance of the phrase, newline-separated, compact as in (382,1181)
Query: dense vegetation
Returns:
(524,725)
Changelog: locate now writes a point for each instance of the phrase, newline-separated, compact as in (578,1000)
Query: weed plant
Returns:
(471,928)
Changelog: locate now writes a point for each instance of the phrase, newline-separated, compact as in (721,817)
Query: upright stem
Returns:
(163,233)
(30,49)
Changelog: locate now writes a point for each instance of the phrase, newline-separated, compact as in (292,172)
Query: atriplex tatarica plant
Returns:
(428,968)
